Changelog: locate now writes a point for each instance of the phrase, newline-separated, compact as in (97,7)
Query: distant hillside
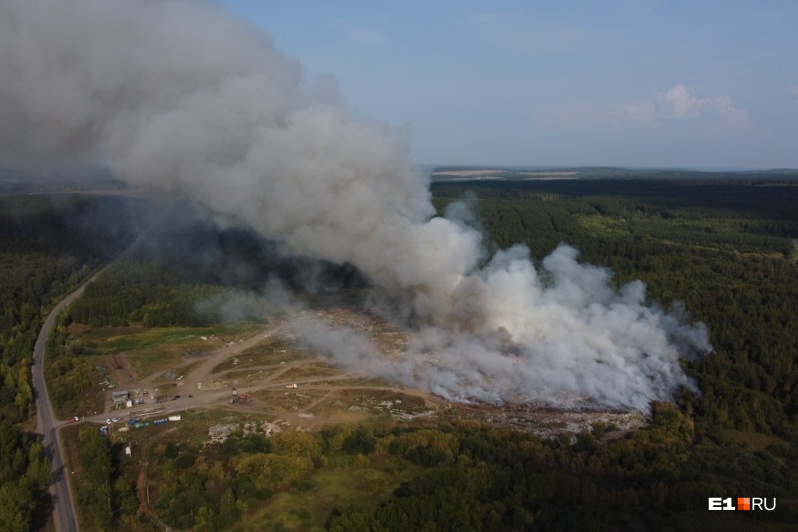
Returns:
(470,173)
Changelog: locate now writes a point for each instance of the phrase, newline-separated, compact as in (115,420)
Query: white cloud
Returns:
(681,104)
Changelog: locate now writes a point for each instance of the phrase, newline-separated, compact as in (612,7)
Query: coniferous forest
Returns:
(724,246)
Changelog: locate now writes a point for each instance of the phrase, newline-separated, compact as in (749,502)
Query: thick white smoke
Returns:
(180,95)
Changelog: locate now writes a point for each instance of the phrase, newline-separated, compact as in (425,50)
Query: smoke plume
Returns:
(181,95)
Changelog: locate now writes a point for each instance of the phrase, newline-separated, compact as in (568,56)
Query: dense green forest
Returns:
(140,292)
(24,478)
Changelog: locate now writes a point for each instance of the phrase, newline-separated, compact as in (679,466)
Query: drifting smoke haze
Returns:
(182,96)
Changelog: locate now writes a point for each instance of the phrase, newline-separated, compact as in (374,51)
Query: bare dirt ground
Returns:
(275,377)
(125,374)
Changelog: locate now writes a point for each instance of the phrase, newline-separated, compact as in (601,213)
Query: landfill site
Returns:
(272,376)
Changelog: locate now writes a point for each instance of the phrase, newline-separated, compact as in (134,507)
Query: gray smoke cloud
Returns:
(182,96)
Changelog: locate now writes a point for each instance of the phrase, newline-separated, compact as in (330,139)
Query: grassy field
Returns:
(155,349)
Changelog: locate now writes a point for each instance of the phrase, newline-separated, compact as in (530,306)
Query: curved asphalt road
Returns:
(63,505)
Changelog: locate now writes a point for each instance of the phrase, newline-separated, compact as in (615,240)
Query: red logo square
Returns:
(743,503)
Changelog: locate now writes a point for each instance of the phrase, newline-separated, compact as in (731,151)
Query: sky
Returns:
(637,83)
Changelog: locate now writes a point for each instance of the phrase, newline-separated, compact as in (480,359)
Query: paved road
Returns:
(64,507)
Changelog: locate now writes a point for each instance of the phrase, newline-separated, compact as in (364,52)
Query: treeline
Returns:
(733,195)
(140,292)
(599,225)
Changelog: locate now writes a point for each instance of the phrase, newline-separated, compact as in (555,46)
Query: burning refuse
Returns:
(182,96)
